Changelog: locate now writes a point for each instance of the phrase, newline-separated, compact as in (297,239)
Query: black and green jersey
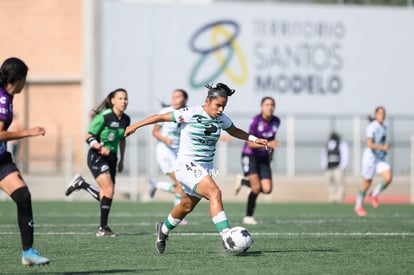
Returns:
(108,129)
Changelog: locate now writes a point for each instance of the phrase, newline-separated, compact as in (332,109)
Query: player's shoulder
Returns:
(375,125)
(256,119)
(276,119)
(5,97)
(192,110)
(224,117)
(372,124)
(105,112)
(126,117)
(167,109)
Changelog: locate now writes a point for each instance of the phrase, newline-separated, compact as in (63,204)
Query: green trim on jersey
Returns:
(231,126)
(199,134)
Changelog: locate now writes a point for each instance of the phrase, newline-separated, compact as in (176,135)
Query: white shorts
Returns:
(189,174)
(370,166)
(166,158)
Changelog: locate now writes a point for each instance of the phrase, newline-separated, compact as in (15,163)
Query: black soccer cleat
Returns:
(75,184)
(161,238)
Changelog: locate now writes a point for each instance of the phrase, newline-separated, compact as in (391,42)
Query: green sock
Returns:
(360,199)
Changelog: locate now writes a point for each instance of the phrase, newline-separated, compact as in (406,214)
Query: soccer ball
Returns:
(238,240)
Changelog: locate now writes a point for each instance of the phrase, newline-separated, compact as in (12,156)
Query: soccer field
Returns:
(291,239)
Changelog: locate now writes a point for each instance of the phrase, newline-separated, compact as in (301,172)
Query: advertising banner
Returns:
(310,58)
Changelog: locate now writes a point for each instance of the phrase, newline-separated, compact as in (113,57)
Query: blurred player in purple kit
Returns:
(13,73)
(256,160)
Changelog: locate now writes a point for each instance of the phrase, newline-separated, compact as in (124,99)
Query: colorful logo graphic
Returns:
(217,39)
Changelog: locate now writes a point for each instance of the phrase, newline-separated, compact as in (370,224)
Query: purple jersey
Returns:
(262,129)
(6,115)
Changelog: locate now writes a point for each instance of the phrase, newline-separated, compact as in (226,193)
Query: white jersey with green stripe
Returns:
(170,130)
(199,134)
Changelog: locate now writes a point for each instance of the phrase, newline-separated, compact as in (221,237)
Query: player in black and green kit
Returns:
(105,135)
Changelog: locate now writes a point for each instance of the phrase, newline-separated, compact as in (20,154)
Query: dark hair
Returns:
(182,91)
(372,118)
(221,90)
(12,70)
(106,103)
(266,98)
(335,136)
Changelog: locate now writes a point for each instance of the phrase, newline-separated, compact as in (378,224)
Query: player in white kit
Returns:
(374,161)
(168,136)
(200,130)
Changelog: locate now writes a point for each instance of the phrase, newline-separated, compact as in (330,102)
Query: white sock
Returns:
(177,199)
(169,224)
(378,189)
(222,223)
(164,186)
(360,199)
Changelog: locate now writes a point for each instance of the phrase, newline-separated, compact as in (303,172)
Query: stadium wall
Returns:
(325,65)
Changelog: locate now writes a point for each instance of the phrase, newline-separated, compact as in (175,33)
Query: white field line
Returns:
(289,234)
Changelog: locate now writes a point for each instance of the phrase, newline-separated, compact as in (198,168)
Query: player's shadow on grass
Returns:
(260,253)
(134,233)
(301,251)
(101,272)
(114,271)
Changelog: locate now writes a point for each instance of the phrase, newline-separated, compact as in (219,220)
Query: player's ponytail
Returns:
(220,89)
(106,103)
(372,118)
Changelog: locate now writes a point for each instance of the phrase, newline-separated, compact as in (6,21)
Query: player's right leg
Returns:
(240,180)
(359,208)
(159,185)
(174,218)
(77,183)
(384,169)
(254,180)
(166,158)
(106,187)
(15,187)
(207,188)
(367,171)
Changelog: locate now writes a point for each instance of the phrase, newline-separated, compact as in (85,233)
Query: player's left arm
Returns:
(241,134)
(13,135)
(147,121)
(122,145)
(370,144)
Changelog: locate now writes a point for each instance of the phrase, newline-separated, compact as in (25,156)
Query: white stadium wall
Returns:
(328,67)
(311,58)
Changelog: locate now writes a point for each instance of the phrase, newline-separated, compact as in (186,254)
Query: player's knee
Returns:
(266,190)
(107,190)
(215,194)
(186,206)
(388,180)
(21,195)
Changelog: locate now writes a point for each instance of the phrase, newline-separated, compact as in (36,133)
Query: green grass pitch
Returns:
(291,239)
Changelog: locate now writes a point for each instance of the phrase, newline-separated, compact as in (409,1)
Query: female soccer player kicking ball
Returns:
(200,130)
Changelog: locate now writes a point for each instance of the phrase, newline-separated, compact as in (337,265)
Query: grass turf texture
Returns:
(291,239)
